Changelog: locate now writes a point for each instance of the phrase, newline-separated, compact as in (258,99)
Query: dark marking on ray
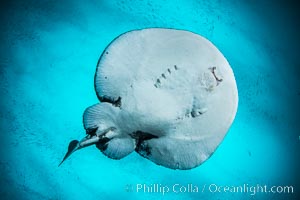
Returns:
(193,114)
(116,102)
(91,131)
(213,69)
(164,76)
(103,144)
(196,113)
(140,137)
(157,84)
(145,150)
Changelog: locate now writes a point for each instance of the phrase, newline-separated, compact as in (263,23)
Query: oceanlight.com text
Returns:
(211,188)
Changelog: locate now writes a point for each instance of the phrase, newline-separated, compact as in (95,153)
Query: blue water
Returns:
(49,51)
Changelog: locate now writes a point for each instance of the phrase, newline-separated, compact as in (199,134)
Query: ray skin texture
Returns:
(170,95)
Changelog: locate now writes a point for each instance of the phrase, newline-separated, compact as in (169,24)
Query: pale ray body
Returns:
(168,94)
